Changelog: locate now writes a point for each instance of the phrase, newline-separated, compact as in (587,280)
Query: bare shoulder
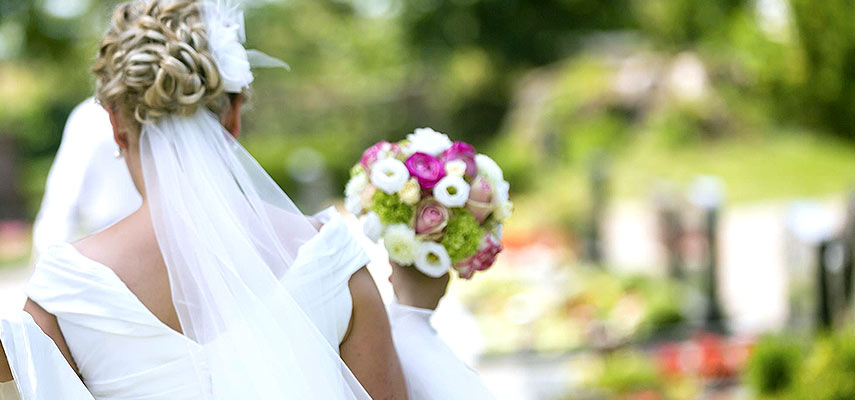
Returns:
(364,290)
(49,325)
(368,349)
(114,246)
(130,249)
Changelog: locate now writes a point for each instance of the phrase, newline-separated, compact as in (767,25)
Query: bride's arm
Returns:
(367,348)
(5,370)
(47,322)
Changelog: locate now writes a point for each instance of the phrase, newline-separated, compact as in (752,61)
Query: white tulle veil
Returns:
(228,235)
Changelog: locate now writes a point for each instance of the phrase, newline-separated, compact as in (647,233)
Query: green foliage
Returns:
(463,235)
(514,33)
(678,23)
(827,36)
(829,371)
(664,314)
(774,365)
(391,209)
(627,372)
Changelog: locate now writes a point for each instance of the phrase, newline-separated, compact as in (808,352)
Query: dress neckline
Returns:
(109,272)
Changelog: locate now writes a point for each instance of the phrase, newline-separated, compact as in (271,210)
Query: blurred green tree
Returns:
(826,33)
(498,39)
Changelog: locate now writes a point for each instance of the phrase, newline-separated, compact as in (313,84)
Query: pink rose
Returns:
(431,219)
(371,154)
(426,168)
(480,202)
(482,260)
(464,152)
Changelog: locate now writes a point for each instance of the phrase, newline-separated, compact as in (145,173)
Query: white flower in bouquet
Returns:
(499,231)
(504,210)
(386,151)
(411,192)
(428,141)
(401,243)
(451,191)
(489,169)
(353,204)
(503,190)
(367,197)
(432,259)
(372,226)
(455,168)
(356,185)
(389,175)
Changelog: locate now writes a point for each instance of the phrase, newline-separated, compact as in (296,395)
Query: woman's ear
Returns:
(119,134)
(232,120)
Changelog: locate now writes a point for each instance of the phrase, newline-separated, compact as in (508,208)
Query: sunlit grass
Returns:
(761,169)
(787,165)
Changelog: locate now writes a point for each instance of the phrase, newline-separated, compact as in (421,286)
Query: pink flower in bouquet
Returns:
(464,152)
(482,260)
(373,153)
(426,168)
(480,202)
(431,219)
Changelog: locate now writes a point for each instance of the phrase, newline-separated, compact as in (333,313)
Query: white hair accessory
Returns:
(224,22)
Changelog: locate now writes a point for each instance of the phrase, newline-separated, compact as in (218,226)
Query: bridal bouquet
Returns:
(436,204)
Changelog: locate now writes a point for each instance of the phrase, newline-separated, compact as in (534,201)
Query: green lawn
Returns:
(766,168)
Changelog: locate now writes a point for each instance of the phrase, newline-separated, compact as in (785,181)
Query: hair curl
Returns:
(154,61)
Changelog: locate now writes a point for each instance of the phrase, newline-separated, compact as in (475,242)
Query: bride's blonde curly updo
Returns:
(154,60)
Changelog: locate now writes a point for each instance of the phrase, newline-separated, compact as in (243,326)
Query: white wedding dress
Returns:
(124,352)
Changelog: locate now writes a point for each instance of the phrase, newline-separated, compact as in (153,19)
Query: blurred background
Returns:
(684,226)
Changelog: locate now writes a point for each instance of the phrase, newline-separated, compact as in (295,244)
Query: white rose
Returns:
(432,259)
(411,192)
(372,226)
(429,141)
(489,169)
(389,175)
(401,243)
(356,185)
(451,191)
(455,168)
(353,205)
(499,232)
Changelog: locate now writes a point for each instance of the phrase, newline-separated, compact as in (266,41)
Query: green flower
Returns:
(391,209)
(462,235)
(356,170)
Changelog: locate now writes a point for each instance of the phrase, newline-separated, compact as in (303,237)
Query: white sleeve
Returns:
(431,369)
(40,370)
(57,218)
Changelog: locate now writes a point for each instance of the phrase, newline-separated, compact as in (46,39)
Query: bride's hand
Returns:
(412,288)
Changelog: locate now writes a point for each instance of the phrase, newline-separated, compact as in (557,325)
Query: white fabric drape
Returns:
(431,369)
(228,235)
(40,370)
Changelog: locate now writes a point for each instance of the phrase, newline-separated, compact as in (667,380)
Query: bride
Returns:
(218,287)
